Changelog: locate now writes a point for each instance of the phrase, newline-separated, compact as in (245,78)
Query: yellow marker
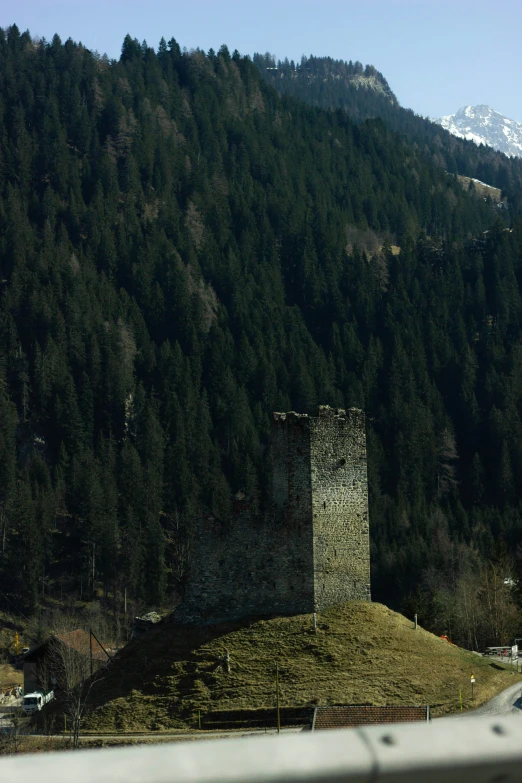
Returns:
(16,643)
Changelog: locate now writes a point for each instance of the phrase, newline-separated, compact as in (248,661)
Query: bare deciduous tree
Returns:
(13,735)
(75,673)
(177,534)
(501,613)
(447,460)
(478,608)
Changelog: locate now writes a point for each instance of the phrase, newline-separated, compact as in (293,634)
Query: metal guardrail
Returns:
(474,749)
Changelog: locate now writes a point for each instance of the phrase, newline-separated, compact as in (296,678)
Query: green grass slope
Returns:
(361,653)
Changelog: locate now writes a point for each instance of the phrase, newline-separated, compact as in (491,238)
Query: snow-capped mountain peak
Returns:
(483,125)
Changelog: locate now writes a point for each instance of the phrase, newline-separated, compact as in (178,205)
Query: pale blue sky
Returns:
(437,55)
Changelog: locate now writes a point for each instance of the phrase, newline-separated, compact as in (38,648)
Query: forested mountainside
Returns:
(183,252)
(364,93)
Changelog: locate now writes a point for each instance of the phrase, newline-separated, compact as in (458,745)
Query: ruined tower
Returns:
(310,549)
(320,491)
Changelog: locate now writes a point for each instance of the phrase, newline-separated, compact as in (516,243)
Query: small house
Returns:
(40,670)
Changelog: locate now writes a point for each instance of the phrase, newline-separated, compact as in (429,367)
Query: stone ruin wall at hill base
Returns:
(311,548)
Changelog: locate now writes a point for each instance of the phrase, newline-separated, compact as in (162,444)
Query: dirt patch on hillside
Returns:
(9,676)
(481,188)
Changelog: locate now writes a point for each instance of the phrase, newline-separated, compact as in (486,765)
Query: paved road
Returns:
(181,736)
(507,702)
(6,723)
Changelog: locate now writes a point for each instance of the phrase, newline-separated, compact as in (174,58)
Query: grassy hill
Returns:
(361,653)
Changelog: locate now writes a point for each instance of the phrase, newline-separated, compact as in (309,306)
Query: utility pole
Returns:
(315,622)
(277,699)
(90,647)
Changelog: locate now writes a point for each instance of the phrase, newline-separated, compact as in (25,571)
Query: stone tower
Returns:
(320,493)
(310,549)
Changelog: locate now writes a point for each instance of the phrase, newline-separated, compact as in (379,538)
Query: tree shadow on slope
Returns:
(167,661)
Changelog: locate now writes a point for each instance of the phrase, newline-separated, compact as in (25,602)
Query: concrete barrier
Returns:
(479,750)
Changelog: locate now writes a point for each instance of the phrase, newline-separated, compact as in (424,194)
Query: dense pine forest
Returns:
(184,251)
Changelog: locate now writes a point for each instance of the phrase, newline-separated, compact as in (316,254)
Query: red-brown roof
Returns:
(355,715)
(80,641)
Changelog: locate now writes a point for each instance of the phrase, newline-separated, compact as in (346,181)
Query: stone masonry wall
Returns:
(311,548)
(339,507)
(248,568)
(249,565)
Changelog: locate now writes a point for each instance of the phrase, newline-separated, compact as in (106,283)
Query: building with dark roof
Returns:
(352,715)
(39,671)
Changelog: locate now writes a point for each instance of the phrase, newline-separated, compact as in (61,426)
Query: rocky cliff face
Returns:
(483,125)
